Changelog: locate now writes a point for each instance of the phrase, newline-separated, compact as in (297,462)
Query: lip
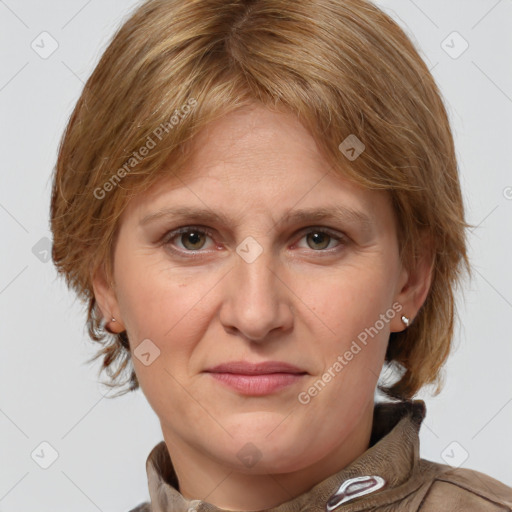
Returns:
(263,368)
(256,379)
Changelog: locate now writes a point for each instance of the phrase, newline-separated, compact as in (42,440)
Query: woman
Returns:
(260,202)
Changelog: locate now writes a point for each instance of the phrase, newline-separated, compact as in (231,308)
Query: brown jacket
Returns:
(388,476)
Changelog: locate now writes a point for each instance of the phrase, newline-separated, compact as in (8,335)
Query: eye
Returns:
(320,239)
(192,238)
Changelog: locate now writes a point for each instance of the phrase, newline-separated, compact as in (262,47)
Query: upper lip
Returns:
(246,368)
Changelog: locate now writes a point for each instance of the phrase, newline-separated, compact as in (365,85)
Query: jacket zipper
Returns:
(353,488)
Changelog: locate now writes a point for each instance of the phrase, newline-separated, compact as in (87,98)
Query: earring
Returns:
(405,320)
(104,322)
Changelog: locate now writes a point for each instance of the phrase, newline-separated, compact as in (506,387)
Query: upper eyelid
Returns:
(171,234)
(209,231)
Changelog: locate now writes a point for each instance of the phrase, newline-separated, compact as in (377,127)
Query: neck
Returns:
(207,479)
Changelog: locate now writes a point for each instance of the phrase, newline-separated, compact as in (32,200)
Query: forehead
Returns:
(255,142)
(256,161)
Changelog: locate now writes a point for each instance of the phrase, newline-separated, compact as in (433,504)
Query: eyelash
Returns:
(171,235)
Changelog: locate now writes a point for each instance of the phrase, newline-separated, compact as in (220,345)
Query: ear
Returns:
(106,300)
(414,284)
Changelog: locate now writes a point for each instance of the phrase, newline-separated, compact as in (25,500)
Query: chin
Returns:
(264,448)
(255,458)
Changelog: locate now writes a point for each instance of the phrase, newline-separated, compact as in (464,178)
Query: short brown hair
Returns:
(343,67)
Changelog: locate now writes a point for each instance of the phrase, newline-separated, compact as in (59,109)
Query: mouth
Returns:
(257,379)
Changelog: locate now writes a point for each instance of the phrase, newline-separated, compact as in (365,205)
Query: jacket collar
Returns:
(381,475)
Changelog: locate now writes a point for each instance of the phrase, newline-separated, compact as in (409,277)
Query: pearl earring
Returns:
(405,320)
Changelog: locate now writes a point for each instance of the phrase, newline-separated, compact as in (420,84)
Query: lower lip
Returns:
(262,384)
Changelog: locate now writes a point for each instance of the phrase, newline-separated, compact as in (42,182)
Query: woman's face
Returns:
(248,280)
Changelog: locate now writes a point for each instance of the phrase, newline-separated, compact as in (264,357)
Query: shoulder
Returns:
(464,489)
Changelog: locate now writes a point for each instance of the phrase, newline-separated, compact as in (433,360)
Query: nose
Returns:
(257,304)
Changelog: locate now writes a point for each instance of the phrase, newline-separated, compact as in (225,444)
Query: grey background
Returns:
(49,394)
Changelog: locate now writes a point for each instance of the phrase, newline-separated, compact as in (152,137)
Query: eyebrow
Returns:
(335,212)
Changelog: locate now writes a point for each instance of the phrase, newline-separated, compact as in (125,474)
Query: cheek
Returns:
(157,299)
(172,308)
(163,303)
(168,307)
(351,324)
(346,302)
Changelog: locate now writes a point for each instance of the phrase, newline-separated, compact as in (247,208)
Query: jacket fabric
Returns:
(388,476)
